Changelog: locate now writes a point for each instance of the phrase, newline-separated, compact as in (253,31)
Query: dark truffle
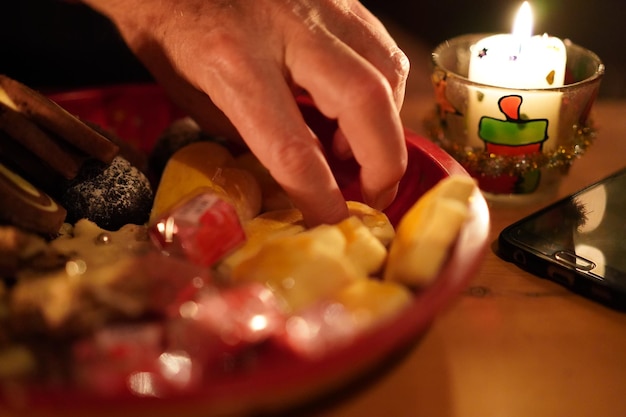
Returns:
(180,133)
(109,195)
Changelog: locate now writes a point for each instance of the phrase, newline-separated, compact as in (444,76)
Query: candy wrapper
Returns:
(202,229)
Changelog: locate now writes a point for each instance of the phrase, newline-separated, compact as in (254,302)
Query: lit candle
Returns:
(510,114)
(519,60)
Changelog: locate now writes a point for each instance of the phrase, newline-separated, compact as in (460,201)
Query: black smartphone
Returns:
(579,241)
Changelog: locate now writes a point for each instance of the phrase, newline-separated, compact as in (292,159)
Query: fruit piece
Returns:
(363,249)
(288,222)
(242,189)
(371,301)
(274,197)
(373,219)
(427,231)
(202,165)
(190,168)
(301,268)
(259,230)
(331,323)
(274,223)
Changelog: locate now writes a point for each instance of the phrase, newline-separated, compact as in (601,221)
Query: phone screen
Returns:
(585,233)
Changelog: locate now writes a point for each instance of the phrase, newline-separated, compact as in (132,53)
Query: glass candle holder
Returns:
(517,142)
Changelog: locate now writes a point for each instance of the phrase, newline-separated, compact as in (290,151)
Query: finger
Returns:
(270,122)
(348,88)
(341,146)
(368,37)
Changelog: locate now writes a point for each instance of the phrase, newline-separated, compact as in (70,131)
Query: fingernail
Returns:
(332,215)
(384,198)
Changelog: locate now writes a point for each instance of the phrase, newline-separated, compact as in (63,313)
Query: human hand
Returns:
(236,65)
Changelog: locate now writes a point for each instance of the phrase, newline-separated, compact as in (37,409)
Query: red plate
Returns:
(139,113)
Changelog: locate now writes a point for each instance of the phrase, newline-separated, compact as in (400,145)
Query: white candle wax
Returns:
(506,61)
(518,64)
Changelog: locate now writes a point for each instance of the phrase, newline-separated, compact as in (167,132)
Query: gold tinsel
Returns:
(476,159)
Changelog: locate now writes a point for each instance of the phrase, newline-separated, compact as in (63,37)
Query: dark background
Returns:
(598,25)
(51,43)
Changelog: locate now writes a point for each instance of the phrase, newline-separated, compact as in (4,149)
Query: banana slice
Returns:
(428,230)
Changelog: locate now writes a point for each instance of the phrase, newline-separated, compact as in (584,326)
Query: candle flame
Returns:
(523,25)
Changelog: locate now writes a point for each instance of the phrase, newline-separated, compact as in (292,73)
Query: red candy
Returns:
(316,330)
(203,229)
(245,314)
(106,361)
(220,328)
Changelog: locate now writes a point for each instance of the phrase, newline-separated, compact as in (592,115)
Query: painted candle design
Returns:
(512,136)
(509,69)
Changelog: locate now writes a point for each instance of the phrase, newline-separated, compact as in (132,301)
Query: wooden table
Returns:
(513,344)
